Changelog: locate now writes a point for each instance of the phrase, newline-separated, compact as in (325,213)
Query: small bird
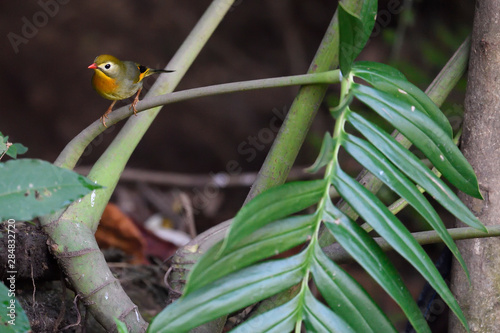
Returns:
(116,80)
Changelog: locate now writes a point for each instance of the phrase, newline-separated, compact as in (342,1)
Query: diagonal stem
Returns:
(336,253)
(71,234)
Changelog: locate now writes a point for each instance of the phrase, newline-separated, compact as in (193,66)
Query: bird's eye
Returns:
(107,66)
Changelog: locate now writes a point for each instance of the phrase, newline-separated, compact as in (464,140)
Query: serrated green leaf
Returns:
(373,211)
(375,162)
(354,32)
(228,294)
(269,240)
(31,188)
(410,165)
(271,205)
(371,257)
(389,79)
(346,297)
(278,320)
(325,154)
(13,319)
(319,318)
(425,135)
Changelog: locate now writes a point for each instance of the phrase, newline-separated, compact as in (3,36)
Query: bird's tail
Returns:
(146,71)
(154,71)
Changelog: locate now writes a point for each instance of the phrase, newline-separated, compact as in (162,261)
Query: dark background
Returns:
(47,99)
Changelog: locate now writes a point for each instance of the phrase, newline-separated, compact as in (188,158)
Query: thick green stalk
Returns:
(110,165)
(71,235)
(293,132)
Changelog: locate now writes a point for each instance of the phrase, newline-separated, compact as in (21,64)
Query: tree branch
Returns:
(75,148)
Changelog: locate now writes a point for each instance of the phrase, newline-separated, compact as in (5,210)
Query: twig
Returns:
(34,286)
(219,179)
(7,146)
(60,317)
(167,284)
(339,255)
(188,208)
(78,321)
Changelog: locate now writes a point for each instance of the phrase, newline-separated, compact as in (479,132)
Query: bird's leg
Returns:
(108,111)
(136,99)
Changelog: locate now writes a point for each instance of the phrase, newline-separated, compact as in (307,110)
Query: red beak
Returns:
(93,66)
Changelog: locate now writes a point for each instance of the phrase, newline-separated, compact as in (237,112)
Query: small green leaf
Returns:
(12,151)
(13,319)
(389,79)
(376,72)
(373,211)
(371,257)
(269,240)
(425,135)
(278,320)
(319,318)
(325,154)
(346,297)
(121,326)
(354,32)
(375,162)
(273,204)
(16,149)
(410,165)
(31,188)
(230,293)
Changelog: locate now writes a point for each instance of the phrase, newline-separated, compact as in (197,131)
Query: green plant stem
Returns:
(73,151)
(71,235)
(106,171)
(321,207)
(294,129)
(293,132)
(340,256)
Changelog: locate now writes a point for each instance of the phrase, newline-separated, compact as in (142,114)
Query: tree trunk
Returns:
(480,300)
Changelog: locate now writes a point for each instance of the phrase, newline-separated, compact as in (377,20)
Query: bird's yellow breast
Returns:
(105,86)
